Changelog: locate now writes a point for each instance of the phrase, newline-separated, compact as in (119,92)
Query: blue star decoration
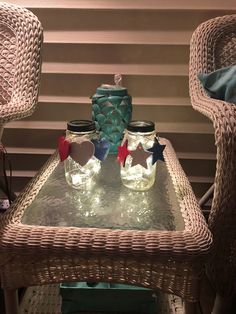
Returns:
(157,150)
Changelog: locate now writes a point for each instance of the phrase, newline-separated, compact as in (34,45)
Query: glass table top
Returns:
(108,205)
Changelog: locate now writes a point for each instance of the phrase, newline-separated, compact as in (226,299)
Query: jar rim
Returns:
(81,125)
(141,126)
(112,90)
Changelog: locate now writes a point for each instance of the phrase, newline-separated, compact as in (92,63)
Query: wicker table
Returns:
(156,239)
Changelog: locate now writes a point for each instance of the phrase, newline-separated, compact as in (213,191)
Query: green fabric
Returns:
(108,298)
(221,84)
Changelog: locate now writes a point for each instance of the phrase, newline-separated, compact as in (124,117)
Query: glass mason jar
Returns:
(77,175)
(137,177)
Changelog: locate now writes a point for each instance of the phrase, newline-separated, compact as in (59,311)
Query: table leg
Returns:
(223,305)
(11,301)
(1,131)
(191,307)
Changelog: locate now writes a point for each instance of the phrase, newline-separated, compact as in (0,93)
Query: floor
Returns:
(47,300)
(2,309)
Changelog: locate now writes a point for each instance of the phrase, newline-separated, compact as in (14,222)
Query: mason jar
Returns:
(139,174)
(81,166)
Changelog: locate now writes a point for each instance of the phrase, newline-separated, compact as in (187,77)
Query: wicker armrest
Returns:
(221,113)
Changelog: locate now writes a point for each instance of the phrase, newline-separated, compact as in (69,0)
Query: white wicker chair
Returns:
(21,38)
(213,46)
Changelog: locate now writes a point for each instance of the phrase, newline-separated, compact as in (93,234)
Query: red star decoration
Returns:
(123,152)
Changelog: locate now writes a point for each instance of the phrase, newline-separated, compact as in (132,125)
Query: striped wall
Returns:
(147,41)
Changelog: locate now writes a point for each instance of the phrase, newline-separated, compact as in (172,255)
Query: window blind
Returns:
(85,43)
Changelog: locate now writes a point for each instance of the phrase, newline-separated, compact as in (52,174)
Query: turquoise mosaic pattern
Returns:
(111,115)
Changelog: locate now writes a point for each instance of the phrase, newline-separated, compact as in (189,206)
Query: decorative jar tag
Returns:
(123,152)
(63,148)
(101,148)
(157,151)
(82,150)
(140,155)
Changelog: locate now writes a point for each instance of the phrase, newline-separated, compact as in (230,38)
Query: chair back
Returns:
(21,38)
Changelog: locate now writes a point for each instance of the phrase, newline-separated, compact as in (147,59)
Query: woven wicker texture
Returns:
(170,260)
(213,46)
(47,300)
(20,63)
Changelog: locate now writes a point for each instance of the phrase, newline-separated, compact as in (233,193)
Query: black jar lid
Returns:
(81,126)
(141,126)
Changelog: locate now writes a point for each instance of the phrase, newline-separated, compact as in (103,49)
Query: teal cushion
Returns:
(221,84)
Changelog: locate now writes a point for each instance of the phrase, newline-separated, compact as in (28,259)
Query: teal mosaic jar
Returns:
(111,111)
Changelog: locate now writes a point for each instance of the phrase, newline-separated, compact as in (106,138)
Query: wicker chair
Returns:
(21,38)
(20,64)
(213,46)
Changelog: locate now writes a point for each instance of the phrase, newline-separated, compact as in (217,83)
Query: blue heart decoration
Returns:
(101,148)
